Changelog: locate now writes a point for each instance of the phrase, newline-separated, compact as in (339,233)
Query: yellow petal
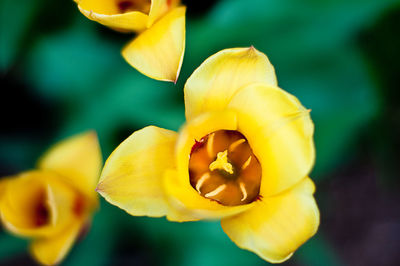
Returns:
(280,132)
(78,160)
(28,195)
(159,8)
(158,51)
(51,250)
(108,14)
(278,225)
(132,176)
(186,201)
(212,84)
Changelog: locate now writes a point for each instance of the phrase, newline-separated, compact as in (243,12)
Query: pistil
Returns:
(221,163)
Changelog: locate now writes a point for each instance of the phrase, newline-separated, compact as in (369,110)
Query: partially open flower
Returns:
(243,157)
(53,204)
(157,51)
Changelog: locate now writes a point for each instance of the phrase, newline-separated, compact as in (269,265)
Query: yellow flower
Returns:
(158,49)
(243,157)
(52,204)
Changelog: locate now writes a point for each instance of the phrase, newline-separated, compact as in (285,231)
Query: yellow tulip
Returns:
(243,157)
(157,51)
(52,204)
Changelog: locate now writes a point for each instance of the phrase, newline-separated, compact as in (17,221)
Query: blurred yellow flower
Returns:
(158,49)
(243,156)
(54,203)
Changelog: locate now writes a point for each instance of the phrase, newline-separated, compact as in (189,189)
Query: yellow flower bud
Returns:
(54,203)
(158,49)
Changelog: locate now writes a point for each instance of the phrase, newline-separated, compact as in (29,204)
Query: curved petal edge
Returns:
(276,226)
(132,176)
(158,51)
(220,76)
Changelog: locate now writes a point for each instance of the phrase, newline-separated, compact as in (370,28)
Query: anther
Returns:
(246,163)
(210,144)
(215,191)
(244,192)
(203,178)
(234,145)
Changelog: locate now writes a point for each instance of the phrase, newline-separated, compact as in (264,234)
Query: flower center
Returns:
(41,211)
(133,5)
(223,167)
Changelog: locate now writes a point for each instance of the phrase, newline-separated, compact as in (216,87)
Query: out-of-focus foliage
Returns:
(72,71)
(15,22)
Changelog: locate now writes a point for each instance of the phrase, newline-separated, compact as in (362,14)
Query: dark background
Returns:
(62,74)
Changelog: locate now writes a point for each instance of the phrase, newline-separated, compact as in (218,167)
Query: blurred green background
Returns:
(62,74)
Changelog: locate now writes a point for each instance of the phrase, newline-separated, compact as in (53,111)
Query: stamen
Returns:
(236,143)
(244,192)
(222,163)
(210,144)
(203,178)
(215,191)
(246,163)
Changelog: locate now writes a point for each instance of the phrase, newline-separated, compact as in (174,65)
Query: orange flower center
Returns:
(41,210)
(134,5)
(222,167)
